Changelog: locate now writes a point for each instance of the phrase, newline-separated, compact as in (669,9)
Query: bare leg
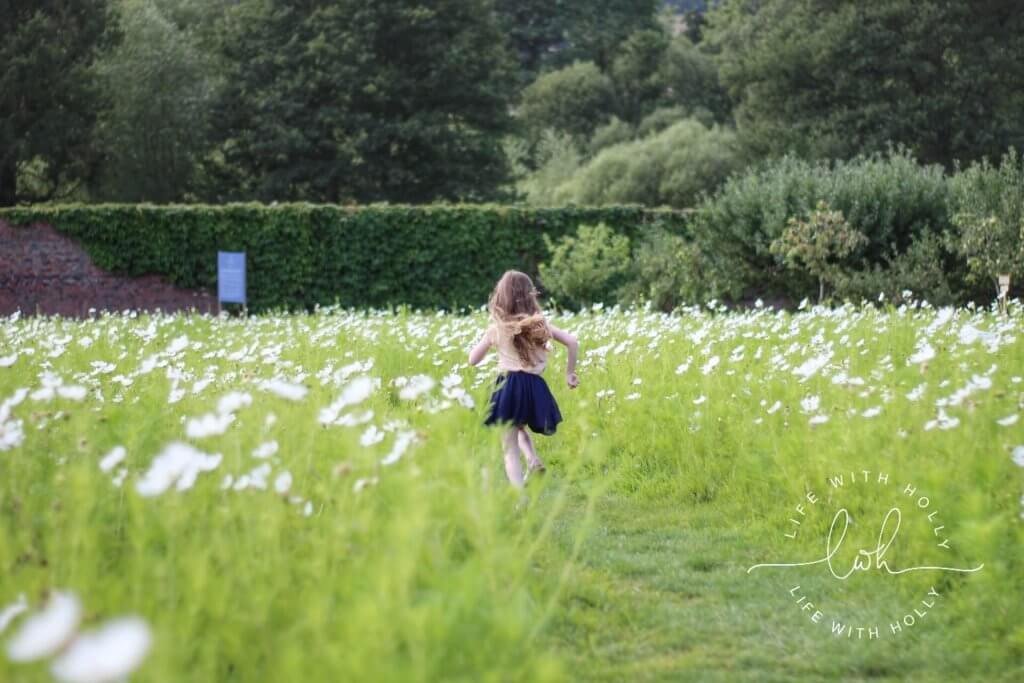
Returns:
(513,467)
(526,444)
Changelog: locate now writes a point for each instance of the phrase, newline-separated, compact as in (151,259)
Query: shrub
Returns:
(587,267)
(666,271)
(891,199)
(671,168)
(925,269)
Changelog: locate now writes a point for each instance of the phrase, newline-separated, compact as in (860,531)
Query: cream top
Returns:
(508,357)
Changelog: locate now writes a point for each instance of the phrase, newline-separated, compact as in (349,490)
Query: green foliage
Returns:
(160,86)
(890,199)
(612,133)
(666,271)
(586,268)
(989,216)
(818,244)
(925,269)
(558,160)
(598,27)
(691,81)
(48,95)
(671,168)
(340,101)
(836,79)
(636,73)
(573,100)
(300,255)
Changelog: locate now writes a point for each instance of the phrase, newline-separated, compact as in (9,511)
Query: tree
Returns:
(598,27)
(989,216)
(636,72)
(536,32)
(691,80)
(160,86)
(348,100)
(48,98)
(573,100)
(818,244)
(834,78)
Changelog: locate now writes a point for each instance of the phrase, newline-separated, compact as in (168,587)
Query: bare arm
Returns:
(480,350)
(573,345)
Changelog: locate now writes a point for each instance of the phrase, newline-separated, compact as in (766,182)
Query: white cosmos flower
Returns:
(819,419)
(307,510)
(402,441)
(354,393)
(872,412)
(917,392)
(361,484)
(774,407)
(106,654)
(283,482)
(233,402)
(43,634)
(11,612)
(371,436)
(71,392)
(710,365)
(178,345)
(178,464)
(265,450)
(287,390)
(451,380)
(354,419)
(634,396)
(1007,421)
(12,433)
(211,424)
(810,403)
(8,361)
(811,366)
(113,458)
(177,393)
(700,399)
(923,354)
(1018,457)
(416,387)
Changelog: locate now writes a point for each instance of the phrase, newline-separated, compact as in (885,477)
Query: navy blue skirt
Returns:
(523,398)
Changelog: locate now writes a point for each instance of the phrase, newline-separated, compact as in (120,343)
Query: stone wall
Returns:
(44,272)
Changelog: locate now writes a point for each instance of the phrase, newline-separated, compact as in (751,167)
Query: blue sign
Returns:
(231,277)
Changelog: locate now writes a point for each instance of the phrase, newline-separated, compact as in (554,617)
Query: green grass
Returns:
(627,561)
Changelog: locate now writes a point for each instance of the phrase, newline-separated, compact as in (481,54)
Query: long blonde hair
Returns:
(517,315)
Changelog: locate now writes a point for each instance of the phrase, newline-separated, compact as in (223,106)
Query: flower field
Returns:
(314,497)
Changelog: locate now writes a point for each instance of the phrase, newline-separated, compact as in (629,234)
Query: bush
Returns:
(672,168)
(923,269)
(573,100)
(891,199)
(587,267)
(666,271)
(300,255)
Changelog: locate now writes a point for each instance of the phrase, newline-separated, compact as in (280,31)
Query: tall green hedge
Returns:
(299,255)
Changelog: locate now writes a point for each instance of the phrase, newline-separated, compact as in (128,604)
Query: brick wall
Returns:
(42,271)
